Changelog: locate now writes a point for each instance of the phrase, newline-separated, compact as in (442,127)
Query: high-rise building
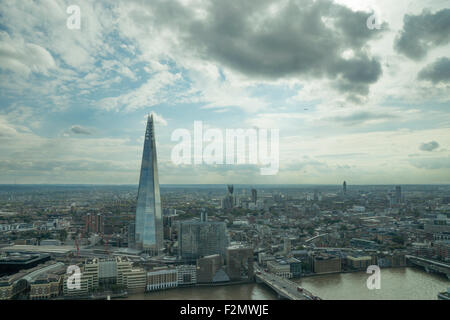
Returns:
(229,202)
(204,216)
(398,194)
(240,263)
(149,224)
(316,195)
(93,223)
(131,235)
(344,188)
(254,196)
(197,239)
(210,269)
(168,225)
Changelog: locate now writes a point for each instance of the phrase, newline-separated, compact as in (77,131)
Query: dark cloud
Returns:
(438,71)
(429,146)
(304,38)
(361,117)
(423,32)
(76,129)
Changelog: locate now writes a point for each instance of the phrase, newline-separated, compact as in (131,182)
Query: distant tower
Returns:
(344,188)
(254,196)
(398,194)
(149,224)
(204,216)
(131,235)
(316,195)
(230,200)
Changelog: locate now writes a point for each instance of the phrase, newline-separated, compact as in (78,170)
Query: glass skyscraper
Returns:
(198,239)
(149,225)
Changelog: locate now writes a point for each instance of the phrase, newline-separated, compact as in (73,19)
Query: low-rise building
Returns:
(162,278)
(135,280)
(73,289)
(325,263)
(187,274)
(280,268)
(295,267)
(46,286)
(11,286)
(359,262)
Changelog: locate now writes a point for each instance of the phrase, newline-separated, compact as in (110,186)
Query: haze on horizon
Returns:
(369,106)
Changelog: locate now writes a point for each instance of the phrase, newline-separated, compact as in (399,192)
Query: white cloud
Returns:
(23,58)
(159,119)
(152,92)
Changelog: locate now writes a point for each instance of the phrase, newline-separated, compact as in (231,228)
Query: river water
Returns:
(396,284)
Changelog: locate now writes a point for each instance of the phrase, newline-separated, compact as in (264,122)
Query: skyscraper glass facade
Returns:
(149,226)
(198,239)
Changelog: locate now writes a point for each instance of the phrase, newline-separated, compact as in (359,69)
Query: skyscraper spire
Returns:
(149,228)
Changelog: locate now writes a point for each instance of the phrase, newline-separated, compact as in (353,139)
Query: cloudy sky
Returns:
(366,105)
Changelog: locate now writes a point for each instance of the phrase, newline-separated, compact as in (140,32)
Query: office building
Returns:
(210,269)
(204,216)
(197,239)
(85,288)
(11,286)
(398,194)
(254,196)
(93,223)
(46,286)
(187,274)
(111,271)
(229,202)
(131,235)
(149,224)
(240,263)
(14,262)
(358,262)
(325,263)
(169,225)
(162,278)
(295,267)
(135,280)
(280,268)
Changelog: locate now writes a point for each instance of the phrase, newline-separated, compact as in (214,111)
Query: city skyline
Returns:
(352,103)
(230,150)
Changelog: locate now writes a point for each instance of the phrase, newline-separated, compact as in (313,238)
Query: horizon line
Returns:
(244,184)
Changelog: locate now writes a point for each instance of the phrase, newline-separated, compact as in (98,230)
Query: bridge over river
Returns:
(430,265)
(283,287)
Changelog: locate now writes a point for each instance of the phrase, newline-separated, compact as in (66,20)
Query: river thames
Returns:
(396,284)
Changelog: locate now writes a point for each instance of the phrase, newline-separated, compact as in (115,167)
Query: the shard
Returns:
(149,225)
